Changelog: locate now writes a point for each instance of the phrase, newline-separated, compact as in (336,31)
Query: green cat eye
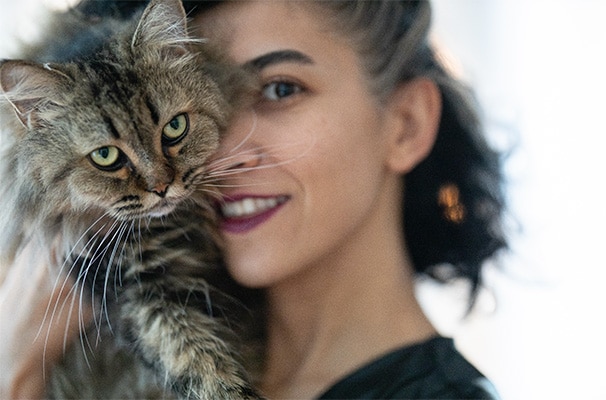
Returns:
(107,158)
(175,130)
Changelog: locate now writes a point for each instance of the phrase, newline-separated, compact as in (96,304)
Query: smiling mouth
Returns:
(248,207)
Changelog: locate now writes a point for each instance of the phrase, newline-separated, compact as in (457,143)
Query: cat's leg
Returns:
(101,369)
(168,315)
(184,345)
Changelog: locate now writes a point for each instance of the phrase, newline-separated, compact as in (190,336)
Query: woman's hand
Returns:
(36,323)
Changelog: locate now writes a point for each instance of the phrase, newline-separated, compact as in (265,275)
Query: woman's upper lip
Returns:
(247,205)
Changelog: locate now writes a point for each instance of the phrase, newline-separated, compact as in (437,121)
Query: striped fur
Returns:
(137,237)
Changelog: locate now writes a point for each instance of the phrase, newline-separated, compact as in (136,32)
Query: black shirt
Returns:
(429,370)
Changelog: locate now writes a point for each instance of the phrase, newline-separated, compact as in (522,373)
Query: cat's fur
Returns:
(138,236)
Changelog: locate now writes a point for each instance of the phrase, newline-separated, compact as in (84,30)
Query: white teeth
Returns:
(249,206)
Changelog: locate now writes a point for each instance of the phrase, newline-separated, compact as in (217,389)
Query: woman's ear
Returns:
(415,109)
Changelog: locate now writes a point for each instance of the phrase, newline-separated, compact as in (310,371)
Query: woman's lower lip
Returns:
(245,224)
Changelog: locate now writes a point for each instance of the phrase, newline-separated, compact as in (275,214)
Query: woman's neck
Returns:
(339,316)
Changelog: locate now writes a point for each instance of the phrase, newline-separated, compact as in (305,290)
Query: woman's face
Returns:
(315,178)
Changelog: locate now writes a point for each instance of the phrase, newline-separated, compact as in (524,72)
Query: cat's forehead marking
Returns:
(153,111)
(110,80)
(111,127)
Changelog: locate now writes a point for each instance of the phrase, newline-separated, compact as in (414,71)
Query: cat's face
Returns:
(134,144)
(127,131)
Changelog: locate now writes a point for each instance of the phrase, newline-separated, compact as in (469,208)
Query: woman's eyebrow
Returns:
(279,56)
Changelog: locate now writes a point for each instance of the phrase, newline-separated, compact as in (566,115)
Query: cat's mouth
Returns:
(137,211)
(162,208)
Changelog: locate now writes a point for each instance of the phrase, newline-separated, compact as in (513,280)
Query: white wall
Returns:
(540,69)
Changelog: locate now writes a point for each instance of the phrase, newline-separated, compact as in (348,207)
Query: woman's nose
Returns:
(239,149)
(244,159)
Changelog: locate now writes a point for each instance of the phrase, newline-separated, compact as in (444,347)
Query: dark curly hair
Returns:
(454,200)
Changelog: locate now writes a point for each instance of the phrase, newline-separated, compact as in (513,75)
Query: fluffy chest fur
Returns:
(105,167)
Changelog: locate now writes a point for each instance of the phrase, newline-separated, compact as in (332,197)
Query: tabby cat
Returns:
(105,171)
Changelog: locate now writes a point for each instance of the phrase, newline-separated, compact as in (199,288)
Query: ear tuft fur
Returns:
(28,87)
(162,25)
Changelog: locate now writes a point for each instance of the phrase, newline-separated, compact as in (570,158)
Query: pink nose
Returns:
(161,189)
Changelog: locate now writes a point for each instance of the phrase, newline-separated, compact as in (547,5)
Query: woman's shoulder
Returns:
(431,369)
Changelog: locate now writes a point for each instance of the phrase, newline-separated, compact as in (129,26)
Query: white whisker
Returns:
(225,185)
(224,166)
(227,161)
(54,310)
(116,239)
(139,240)
(125,242)
(67,258)
(249,134)
(99,253)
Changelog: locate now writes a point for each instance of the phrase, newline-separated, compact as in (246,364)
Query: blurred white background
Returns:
(539,68)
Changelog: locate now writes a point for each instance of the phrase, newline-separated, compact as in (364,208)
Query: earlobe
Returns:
(415,108)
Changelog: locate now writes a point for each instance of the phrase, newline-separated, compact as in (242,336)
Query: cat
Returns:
(106,172)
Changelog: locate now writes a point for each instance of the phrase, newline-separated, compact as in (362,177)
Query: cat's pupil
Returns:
(106,158)
(175,130)
(104,152)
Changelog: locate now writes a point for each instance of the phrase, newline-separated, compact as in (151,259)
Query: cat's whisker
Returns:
(116,243)
(212,194)
(77,296)
(67,258)
(231,158)
(248,135)
(55,310)
(138,236)
(99,253)
(229,161)
(213,184)
(58,309)
(94,243)
(128,228)
(84,272)
(82,277)
(224,166)
(79,283)
(84,340)
(126,242)
(85,343)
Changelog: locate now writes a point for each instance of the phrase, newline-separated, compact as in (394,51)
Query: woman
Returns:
(361,166)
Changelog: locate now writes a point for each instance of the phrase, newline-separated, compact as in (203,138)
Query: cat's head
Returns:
(127,130)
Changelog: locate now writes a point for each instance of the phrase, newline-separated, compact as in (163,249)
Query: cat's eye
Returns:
(175,130)
(108,158)
(279,90)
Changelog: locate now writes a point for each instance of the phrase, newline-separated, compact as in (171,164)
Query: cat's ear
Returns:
(29,88)
(163,25)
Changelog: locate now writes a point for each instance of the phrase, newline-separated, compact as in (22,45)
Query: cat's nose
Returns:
(160,189)
(160,180)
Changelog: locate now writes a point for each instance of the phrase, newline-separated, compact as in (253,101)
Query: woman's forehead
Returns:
(249,29)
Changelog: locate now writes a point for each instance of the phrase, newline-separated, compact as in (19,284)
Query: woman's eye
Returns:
(175,130)
(276,91)
(108,158)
